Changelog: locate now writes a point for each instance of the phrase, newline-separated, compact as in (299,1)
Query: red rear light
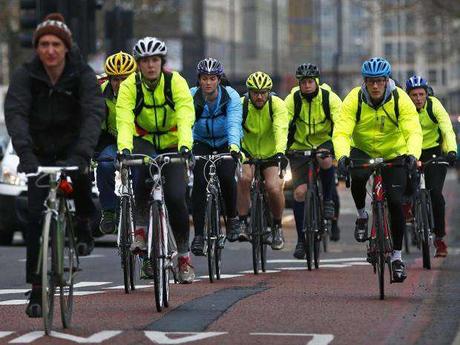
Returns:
(66,187)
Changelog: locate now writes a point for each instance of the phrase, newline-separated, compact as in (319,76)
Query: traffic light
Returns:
(28,20)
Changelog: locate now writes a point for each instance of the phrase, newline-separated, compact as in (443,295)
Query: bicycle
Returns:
(260,219)
(380,245)
(58,258)
(315,227)
(161,245)
(423,211)
(214,238)
(126,227)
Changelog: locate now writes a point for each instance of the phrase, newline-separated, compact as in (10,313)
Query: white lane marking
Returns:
(28,338)
(118,287)
(162,337)
(292,268)
(267,271)
(11,291)
(87,284)
(288,218)
(334,265)
(14,302)
(222,276)
(85,293)
(318,339)
(93,339)
(4,334)
(275,261)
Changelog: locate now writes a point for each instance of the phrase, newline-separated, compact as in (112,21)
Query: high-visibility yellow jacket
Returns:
(379,133)
(164,127)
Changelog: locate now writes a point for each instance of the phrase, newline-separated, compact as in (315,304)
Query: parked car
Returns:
(13,195)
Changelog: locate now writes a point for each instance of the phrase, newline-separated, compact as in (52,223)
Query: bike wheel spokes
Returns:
(210,239)
(70,268)
(379,213)
(48,273)
(126,228)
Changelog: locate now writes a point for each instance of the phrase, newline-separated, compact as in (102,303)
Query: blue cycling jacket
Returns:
(220,123)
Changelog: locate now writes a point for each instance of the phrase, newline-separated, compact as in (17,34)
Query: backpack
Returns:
(429,109)
(140,104)
(167,91)
(198,102)
(246,108)
(396,98)
(298,107)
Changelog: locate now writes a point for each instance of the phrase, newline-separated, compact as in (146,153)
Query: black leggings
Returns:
(174,187)
(394,182)
(35,197)
(435,176)
(226,174)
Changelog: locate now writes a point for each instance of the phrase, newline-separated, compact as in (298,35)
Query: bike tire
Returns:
(127,259)
(217,233)
(70,263)
(157,255)
(380,221)
(316,227)
(255,234)
(425,223)
(210,238)
(263,225)
(309,229)
(48,264)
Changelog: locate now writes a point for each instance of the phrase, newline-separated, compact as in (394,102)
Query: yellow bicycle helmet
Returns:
(259,81)
(120,64)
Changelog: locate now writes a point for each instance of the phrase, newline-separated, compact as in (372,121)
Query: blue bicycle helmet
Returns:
(210,66)
(416,82)
(376,67)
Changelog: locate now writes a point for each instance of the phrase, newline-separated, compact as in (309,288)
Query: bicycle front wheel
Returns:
(66,241)
(309,228)
(425,202)
(48,264)
(157,255)
(255,233)
(380,223)
(210,233)
(126,229)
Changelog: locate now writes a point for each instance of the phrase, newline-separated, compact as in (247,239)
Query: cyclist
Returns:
(53,112)
(117,68)
(156,106)
(265,124)
(217,128)
(438,138)
(378,120)
(312,110)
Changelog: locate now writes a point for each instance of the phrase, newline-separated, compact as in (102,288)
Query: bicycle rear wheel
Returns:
(48,266)
(380,223)
(157,255)
(425,227)
(126,228)
(218,233)
(255,233)
(66,241)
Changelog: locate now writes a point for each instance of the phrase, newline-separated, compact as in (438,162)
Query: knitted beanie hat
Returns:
(53,25)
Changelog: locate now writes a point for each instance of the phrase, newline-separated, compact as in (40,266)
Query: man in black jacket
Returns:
(53,112)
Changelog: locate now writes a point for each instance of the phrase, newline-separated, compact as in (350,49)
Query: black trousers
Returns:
(226,174)
(435,175)
(174,188)
(35,198)
(394,183)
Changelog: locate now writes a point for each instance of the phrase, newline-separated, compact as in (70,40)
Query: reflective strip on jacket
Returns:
(173,128)
(224,125)
(312,127)
(431,130)
(375,133)
(264,138)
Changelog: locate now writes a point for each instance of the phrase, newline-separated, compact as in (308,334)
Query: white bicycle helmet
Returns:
(149,46)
